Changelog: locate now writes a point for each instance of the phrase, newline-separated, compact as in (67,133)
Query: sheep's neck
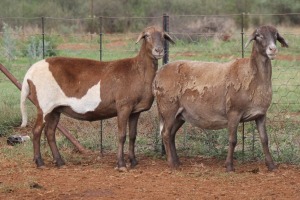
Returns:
(146,63)
(261,65)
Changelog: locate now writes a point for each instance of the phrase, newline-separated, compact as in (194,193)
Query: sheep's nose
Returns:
(159,50)
(272,48)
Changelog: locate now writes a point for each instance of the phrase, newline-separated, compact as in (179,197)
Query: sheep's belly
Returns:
(252,115)
(206,122)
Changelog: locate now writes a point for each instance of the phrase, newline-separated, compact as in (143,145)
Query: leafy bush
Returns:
(8,46)
(34,47)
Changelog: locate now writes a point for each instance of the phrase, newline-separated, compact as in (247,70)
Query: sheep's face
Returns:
(265,38)
(154,41)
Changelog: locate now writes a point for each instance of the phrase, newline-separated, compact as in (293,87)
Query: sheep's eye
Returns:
(259,36)
(147,36)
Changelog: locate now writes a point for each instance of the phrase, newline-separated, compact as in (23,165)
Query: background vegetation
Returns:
(142,8)
(146,8)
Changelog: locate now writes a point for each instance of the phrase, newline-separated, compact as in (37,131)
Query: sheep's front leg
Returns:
(233,121)
(261,127)
(133,120)
(123,115)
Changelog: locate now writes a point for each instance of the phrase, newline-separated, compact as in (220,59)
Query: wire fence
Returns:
(198,37)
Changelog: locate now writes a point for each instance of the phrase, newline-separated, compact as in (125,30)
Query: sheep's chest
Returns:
(258,103)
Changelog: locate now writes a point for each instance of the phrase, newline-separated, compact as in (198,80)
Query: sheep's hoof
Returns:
(62,167)
(174,165)
(271,167)
(39,162)
(133,163)
(59,163)
(230,168)
(121,169)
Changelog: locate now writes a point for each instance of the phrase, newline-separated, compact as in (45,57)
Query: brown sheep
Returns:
(92,90)
(217,95)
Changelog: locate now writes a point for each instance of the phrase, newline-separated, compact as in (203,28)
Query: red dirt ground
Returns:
(94,177)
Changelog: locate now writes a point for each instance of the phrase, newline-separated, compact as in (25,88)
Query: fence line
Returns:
(156,17)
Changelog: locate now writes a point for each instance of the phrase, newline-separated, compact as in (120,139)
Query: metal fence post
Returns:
(101,51)
(242,33)
(101,35)
(243,129)
(165,60)
(43,35)
(166,44)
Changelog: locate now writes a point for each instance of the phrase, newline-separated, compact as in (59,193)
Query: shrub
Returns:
(34,47)
(8,47)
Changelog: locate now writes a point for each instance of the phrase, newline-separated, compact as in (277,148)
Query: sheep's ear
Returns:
(140,37)
(169,38)
(282,41)
(253,36)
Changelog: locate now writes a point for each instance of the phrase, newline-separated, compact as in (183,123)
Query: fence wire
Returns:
(198,37)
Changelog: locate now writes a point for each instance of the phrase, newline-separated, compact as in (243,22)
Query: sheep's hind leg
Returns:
(261,127)
(133,120)
(168,133)
(233,121)
(37,132)
(52,120)
(177,124)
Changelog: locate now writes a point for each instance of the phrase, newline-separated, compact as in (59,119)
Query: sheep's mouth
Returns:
(272,56)
(158,56)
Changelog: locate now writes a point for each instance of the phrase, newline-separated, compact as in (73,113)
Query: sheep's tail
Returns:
(24,95)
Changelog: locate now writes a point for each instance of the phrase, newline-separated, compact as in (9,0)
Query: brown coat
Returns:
(92,90)
(218,95)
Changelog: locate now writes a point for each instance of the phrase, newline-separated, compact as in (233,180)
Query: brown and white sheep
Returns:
(92,90)
(214,95)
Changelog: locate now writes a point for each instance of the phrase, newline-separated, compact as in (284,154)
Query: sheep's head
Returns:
(265,38)
(154,40)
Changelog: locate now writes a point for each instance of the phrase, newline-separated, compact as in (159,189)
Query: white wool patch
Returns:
(50,95)
(161,126)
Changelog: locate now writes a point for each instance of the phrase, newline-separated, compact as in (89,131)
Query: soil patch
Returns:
(94,177)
